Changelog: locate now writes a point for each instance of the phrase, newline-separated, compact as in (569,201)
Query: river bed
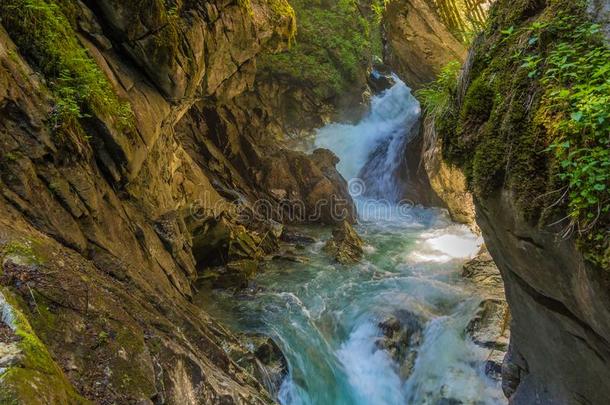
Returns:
(325,316)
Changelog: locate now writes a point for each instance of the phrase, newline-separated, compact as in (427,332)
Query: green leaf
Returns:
(576,116)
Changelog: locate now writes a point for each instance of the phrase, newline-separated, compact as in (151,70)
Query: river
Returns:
(326,316)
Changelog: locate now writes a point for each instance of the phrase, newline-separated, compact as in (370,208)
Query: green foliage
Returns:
(574,70)
(332,49)
(437,97)
(535,119)
(378,7)
(44,33)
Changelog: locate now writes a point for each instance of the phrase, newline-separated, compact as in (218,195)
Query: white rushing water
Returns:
(377,142)
(326,316)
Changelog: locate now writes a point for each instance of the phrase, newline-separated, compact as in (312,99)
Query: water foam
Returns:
(370,371)
(385,129)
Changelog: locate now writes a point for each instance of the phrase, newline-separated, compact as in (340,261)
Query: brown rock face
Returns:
(418,43)
(103,229)
(345,245)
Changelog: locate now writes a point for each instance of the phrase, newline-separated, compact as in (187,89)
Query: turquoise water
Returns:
(325,316)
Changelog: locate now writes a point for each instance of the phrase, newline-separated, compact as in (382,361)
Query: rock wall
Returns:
(556,281)
(120,173)
(417,41)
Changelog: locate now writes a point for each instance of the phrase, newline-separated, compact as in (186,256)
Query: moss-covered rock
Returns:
(35,378)
(526,121)
(518,125)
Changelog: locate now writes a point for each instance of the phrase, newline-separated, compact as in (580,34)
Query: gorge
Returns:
(218,202)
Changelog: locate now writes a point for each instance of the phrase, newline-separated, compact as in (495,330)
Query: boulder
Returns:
(380,79)
(308,189)
(345,246)
(402,335)
(264,360)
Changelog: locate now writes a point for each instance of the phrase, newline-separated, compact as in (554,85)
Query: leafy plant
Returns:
(571,61)
(437,96)
(378,7)
(577,114)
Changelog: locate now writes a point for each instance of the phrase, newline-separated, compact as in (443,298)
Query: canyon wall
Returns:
(127,169)
(552,253)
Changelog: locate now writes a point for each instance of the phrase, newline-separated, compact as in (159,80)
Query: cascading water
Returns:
(326,317)
(373,149)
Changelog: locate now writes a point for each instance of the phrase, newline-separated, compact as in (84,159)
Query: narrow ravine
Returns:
(329,319)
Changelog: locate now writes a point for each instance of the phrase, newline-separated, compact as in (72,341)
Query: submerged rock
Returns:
(264,360)
(402,336)
(345,246)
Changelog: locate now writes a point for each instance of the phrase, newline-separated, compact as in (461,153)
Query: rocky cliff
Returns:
(526,116)
(126,168)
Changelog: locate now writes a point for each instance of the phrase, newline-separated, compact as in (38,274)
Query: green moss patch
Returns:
(37,379)
(43,32)
(535,119)
(22,251)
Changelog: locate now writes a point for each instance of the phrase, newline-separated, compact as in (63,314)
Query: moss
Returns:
(477,104)
(23,250)
(46,36)
(37,379)
(534,118)
(282,9)
(132,380)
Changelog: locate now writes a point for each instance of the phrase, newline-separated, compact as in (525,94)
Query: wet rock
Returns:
(10,353)
(402,336)
(514,369)
(293,237)
(221,240)
(345,246)
(290,256)
(449,401)
(489,327)
(265,361)
(380,79)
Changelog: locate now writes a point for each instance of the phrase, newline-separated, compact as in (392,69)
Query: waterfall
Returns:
(373,151)
(327,317)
